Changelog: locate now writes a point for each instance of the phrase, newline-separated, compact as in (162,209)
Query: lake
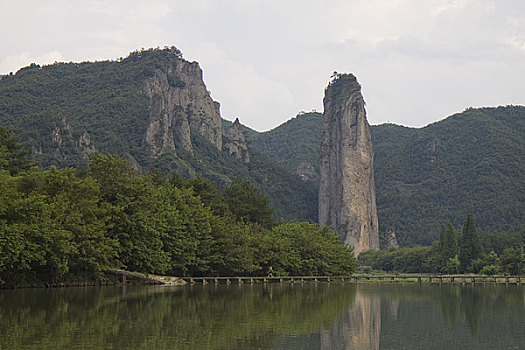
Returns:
(269,316)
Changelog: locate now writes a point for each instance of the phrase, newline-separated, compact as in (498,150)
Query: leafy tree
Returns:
(77,207)
(452,266)
(300,248)
(208,194)
(469,245)
(512,261)
(247,203)
(134,213)
(13,157)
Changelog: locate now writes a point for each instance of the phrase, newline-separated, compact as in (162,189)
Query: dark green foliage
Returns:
(448,249)
(290,197)
(245,202)
(498,242)
(51,107)
(62,224)
(300,249)
(207,192)
(470,162)
(469,246)
(444,256)
(405,260)
(512,261)
(13,157)
(294,144)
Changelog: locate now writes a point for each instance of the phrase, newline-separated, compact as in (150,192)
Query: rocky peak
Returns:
(235,142)
(180,104)
(347,201)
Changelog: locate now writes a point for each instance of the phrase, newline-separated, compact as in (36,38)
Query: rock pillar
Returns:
(347,200)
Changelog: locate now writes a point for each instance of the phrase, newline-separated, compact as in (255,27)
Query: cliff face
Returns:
(180,103)
(347,200)
(235,142)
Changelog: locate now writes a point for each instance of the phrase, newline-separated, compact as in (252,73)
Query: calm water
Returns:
(322,316)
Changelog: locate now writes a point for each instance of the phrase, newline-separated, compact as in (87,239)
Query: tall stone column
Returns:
(347,199)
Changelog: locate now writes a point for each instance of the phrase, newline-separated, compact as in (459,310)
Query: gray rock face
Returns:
(235,142)
(85,144)
(347,200)
(306,171)
(390,240)
(180,103)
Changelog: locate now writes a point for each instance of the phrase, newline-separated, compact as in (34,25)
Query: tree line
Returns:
(454,253)
(73,224)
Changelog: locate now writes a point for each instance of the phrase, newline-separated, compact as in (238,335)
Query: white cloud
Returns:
(266,60)
(516,43)
(242,91)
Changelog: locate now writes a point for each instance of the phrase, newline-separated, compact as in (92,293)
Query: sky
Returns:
(265,61)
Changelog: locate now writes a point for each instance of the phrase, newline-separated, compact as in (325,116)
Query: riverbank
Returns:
(110,277)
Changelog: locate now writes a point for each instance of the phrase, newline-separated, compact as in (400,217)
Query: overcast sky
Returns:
(265,61)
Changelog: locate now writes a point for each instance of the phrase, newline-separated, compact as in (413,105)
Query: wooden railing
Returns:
(439,279)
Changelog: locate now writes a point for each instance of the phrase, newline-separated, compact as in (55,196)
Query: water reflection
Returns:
(430,317)
(309,316)
(360,327)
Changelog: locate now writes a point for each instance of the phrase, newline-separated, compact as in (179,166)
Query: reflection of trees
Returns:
(473,302)
(194,318)
(259,316)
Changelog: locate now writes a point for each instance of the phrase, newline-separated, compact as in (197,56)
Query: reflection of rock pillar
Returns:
(392,308)
(360,327)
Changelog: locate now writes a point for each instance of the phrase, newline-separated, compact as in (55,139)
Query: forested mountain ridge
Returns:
(470,162)
(151,107)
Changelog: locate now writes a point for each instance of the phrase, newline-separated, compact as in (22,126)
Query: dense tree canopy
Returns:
(493,253)
(64,224)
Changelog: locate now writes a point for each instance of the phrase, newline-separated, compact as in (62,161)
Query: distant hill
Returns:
(153,108)
(470,162)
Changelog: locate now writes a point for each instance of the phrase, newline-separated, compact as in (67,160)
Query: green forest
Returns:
(465,251)
(73,224)
(469,163)
(51,107)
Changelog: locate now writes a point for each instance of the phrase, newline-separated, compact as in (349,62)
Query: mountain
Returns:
(470,162)
(153,108)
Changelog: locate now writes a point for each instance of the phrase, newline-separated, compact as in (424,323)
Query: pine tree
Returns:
(469,245)
(448,247)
